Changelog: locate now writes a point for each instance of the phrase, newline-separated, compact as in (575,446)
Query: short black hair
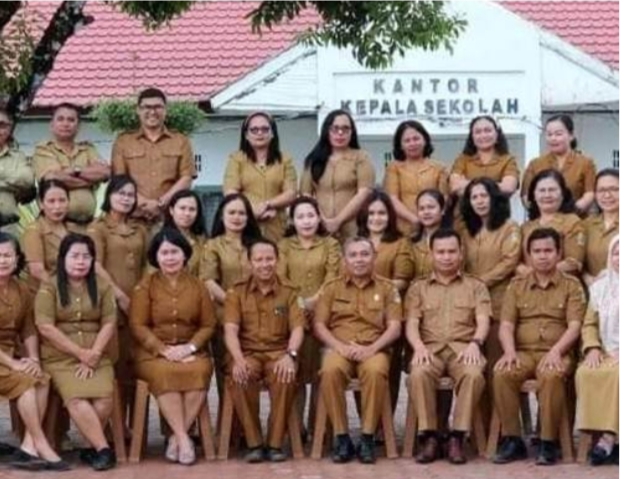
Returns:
(443,233)
(151,93)
(197,227)
(116,183)
(568,123)
(398,152)
(67,106)
(614,172)
(391,232)
(567,205)
(171,235)
(544,233)
(304,200)
(501,146)
(261,240)
(273,154)
(21,259)
(499,210)
(62,279)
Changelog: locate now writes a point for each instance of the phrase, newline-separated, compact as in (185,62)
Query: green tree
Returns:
(375,31)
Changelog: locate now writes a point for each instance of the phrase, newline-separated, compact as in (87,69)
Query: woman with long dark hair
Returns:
(75,315)
(338,173)
(411,172)
(262,172)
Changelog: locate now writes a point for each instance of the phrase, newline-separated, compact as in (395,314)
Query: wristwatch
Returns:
(293,354)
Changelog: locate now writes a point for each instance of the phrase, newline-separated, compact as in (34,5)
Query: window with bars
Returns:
(616,159)
(198,161)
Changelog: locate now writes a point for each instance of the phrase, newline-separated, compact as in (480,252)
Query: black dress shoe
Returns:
(366,451)
(87,455)
(274,454)
(7,449)
(547,453)
(57,466)
(343,450)
(511,449)
(599,456)
(254,455)
(430,450)
(104,459)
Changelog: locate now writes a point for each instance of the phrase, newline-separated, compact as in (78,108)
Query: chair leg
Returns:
(206,432)
(494,434)
(585,440)
(320,428)
(226,422)
(294,432)
(387,418)
(140,413)
(117,425)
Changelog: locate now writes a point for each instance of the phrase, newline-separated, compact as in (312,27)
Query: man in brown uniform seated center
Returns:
(263,330)
(447,323)
(358,317)
(540,322)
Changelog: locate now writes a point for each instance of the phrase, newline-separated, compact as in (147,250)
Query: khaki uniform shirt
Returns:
(261,183)
(598,239)
(120,249)
(541,315)
(16,316)
(162,314)
(265,320)
(309,268)
(340,182)
(80,321)
(446,313)
(50,157)
(578,170)
(422,259)
(16,175)
(394,261)
(573,239)
(41,242)
(407,179)
(155,166)
(358,314)
(224,261)
(492,256)
(496,168)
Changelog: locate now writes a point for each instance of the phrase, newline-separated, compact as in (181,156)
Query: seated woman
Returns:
(597,378)
(21,379)
(172,319)
(75,314)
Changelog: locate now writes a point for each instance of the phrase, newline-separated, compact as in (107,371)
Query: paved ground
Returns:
(153,467)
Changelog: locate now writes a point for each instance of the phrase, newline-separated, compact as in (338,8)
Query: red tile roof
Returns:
(591,26)
(211,46)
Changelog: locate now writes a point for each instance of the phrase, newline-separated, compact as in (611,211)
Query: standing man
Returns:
(540,322)
(75,163)
(447,324)
(263,331)
(358,317)
(159,160)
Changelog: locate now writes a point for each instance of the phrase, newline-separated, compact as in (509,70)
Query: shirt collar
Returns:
(433,278)
(253,285)
(554,280)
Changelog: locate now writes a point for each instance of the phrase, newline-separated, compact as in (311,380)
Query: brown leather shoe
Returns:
(429,451)
(455,451)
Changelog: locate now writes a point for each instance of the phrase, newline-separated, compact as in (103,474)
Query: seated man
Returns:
(447,323)
(263,330)
(540,322)
(358,317)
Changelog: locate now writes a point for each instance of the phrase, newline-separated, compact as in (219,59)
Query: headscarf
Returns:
(604,298)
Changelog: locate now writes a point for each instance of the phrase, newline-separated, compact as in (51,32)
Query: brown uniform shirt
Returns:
(162,314)
(422,258)
(446,313)
(541,315)
(120,249)
(496,168)
(309,268)
(155,166)
(49,157)
(41,241)
(407,179)
(224,261)
(394,260)
(262,183)
(358,314)
(492,256)
(80,321)
(597,245)
(16,175)
(578,170)
(197,250)
(265,320)
(16,316)
(573,239)
(340,182)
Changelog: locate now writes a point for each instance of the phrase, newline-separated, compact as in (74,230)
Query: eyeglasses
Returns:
(340,129)
(610,189)
(256,130)
(152,107)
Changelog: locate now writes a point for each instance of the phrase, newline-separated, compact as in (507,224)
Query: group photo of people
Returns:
(317,285)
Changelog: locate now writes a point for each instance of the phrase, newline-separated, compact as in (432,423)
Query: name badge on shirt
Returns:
(280,311)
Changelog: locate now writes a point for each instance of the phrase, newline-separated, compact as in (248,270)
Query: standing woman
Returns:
(172,319)
(75,315)
(185,214)
(602,228)
(308,257)
(263,173)
(17,180)
(411,172)
(21,377)
(486,154)
(550,205)
(597,378)
(338,174)
(432,215)
(578,170)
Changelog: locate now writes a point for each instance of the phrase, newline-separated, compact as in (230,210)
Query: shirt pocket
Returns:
(374,312)
(170,157)
(280,320)
(463,310)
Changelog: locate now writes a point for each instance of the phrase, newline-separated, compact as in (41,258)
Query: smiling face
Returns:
(151,112)
(306,220)
(359,259)
(234,216)
(558,137)
(78,261)
(170,258)
(429,213)
(484,134)
(607,193)
(259,132)
(548,196)
(263,261)
(123,200)
(377,217)
(184,212)
(340,132)
(412,143)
